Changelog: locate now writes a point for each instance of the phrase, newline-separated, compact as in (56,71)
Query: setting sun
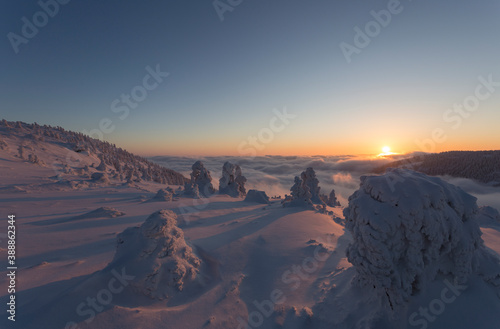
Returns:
(386,149)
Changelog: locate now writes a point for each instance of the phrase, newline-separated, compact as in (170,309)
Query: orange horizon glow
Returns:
(291,145)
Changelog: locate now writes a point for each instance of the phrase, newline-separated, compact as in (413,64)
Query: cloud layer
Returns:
(275,174)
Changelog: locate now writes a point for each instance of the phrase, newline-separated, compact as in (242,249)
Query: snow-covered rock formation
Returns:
(157,256)
(407,228)
(232,181)
(200,183)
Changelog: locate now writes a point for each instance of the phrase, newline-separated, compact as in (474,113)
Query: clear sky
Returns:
(227,76)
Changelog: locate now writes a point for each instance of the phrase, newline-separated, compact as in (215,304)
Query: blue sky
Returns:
(226,77)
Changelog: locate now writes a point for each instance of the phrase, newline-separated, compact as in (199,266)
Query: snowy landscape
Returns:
(233,164)
(106,239)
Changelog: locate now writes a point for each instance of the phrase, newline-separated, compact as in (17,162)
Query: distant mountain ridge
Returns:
(482,166)
(123,164)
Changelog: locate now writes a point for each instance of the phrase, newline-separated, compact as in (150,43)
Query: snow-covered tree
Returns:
(309,178)
(200,181)
(232,181)
(300,194)
(408,227)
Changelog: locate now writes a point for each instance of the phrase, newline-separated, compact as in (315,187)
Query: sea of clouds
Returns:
(275,174)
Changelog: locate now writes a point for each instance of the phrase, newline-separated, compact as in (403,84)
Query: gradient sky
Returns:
(226,77)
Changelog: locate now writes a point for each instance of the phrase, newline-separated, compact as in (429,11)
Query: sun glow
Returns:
(386,151)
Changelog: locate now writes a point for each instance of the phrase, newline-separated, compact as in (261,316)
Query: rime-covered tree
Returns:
(232,181)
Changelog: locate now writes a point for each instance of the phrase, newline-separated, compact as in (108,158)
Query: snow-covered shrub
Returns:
(33,158)
(408,227)
(232,181)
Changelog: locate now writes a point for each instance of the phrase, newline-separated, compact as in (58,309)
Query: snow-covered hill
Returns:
(482,166)
(75,159)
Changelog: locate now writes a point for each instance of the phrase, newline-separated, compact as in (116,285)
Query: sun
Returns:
(386,149)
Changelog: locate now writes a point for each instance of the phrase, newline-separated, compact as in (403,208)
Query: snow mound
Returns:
(408,227)
(257,196)
(163,195)
(232,181)
(157,256)
(106,212)
(488,215)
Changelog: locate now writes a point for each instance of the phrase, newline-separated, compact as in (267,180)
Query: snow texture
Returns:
(157,255)
(488,215)
(408,227)
(232,181)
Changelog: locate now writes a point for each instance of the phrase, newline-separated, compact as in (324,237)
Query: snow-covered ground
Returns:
(221,262)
